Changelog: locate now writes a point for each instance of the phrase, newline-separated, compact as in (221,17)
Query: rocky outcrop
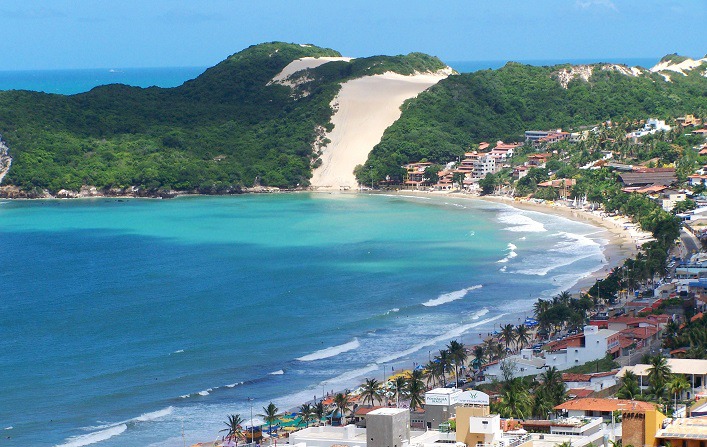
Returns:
(5,160)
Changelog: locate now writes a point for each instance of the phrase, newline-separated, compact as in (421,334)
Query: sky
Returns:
(61,34)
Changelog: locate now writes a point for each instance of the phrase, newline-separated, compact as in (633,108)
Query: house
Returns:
(700,132)
(694,370)
(596,407)
(683,432)
(670,197)
(483,165)
(697,179)
(688,120)
(652,126)
(590,382)
(531,136)
(648,176)
(415,174)
(520,171)
(564,185)
(538,160)
(551,138)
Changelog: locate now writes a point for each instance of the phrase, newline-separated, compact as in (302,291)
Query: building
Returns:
(440,405)
(688,121)
(652,125)
(694,371)
(520,171)
(648,177)
(531,136)
(483,165)
(591,382)
(683,432)
(670,197)
(538,160)
(415,174)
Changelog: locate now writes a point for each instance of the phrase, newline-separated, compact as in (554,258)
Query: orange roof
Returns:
(362,411)
(640,333)
(594,404)
(579,393)
(571,377)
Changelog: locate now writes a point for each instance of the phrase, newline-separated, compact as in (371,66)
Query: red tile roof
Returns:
(579,393)
(640,333)
(595,404)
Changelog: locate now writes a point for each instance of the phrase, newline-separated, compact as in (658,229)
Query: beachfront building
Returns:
(642,177)
(562,185)
(592,344)
(483,165)
(693,370)
(415,174)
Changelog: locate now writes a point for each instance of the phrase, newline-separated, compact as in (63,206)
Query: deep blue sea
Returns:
(122,321)
(69,82)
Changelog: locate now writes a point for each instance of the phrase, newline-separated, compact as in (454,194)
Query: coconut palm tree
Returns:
(508,335)
(522,336)
(234,427)
(399,383)
(515,400)
(342,403)
(479,356)
(371,391)
(553,386)
(270,414)
(415,390)
(677,385)
(434,373)
(629,388)
(457,352)
(306,412)
(658,374)
(320,411)
(444,360)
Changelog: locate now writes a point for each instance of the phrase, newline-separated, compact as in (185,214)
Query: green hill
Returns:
(214,134)
(447,119)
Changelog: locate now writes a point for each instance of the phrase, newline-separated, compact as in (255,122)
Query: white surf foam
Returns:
(503,269)
(450,334)
(205,392)
(393,310)
(279,372)
(9,428)
(330,351)
(479,314)
(511,253)
(450,296)
(178,351)
(92,438)
(561,262)
(154,415)
(520,223)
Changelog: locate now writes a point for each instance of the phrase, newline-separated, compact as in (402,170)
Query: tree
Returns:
(479,356)
(677,385)
(458,178)
(515,400)
(306,413)
(371,391)
(342,403)
(508,334)
(415,390)
(457,353)
(658,373)
(444,360)
(629,388)
(320,411)
(488,184)
(553,386)
(522,336)
(399,383)
(234,427)
(270,414)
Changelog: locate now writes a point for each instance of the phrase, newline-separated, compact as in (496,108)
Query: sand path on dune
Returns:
(364,108)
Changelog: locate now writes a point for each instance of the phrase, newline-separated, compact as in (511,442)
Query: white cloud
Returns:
(586,4)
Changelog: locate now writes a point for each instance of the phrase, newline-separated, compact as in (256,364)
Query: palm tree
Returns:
(270,414)
(553,386)
(370,391)
(434,372)
(320,412)
(515,400)
(444,360)
(508,334)
(457,352)
(306,412)
(522,336)
(677,385)
(658,374)
(479,356)
(629,388)
(234,427)
(342,403)
(399,383)
(415,389)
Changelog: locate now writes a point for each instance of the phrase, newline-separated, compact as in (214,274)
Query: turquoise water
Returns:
(123,320)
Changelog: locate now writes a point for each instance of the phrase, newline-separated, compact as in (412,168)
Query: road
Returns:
(690,243)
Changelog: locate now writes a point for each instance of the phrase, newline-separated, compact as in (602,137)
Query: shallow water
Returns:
(123,321)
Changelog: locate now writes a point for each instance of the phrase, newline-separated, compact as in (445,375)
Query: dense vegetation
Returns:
(214,134)
(460,111)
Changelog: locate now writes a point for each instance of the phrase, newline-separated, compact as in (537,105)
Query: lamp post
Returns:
(250,399)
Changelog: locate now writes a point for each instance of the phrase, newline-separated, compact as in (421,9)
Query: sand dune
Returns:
(364,108)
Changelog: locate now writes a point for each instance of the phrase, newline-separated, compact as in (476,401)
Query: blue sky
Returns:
(54,34)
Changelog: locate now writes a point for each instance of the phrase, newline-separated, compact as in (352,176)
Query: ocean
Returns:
(130,322)
(70,82)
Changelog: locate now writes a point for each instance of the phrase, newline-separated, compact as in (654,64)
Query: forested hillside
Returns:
(447,119)
(214,134)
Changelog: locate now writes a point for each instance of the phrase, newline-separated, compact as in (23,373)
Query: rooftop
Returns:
(595,404)
(685,428)
(680,366)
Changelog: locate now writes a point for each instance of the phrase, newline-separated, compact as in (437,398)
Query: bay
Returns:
(123,322)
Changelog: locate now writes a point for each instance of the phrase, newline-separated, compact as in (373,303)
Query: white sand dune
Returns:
(682,67)
(303,64)
(364,108)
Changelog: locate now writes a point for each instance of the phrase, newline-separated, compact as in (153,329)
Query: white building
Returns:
(485,164)
(694,371)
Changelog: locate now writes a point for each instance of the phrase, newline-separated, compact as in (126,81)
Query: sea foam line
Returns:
(511,248)
(279,372)
(330,351)
(521,223)
(92,438)
(450,296)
